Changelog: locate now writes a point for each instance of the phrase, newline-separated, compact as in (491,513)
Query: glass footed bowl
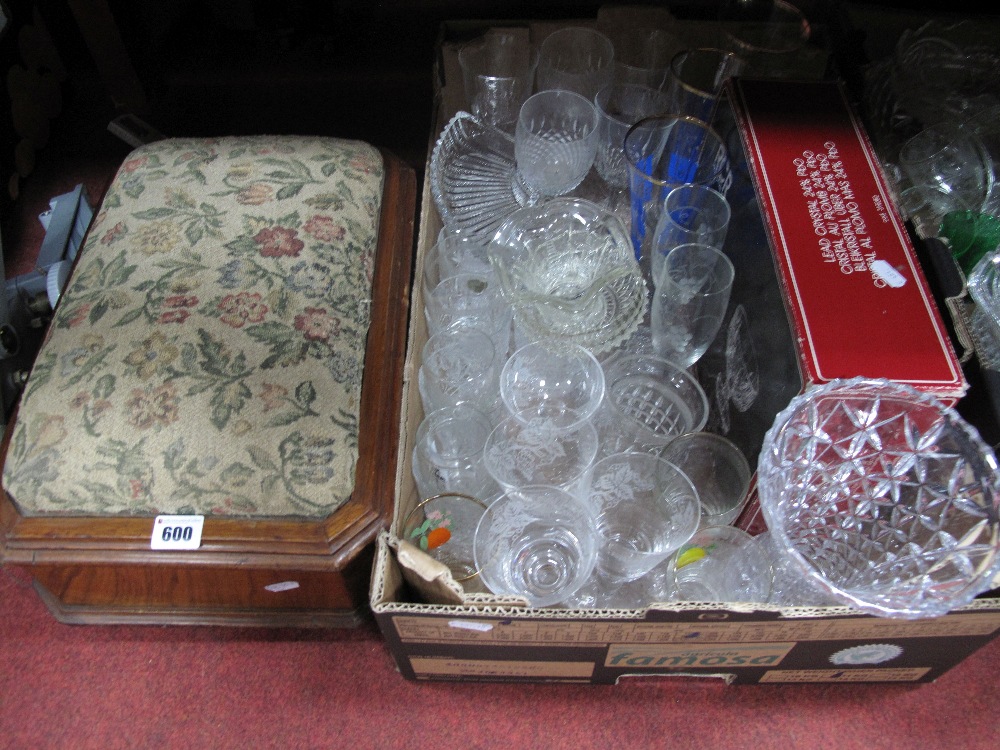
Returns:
(882,497)
(568,269)
(471,176)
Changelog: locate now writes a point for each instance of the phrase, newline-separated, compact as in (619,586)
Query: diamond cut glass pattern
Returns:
(883,497)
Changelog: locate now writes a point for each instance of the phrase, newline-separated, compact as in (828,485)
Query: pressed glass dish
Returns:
(568,269)
(648,402)
(882,497)
(472,171)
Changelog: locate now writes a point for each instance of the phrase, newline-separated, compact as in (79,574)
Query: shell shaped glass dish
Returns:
(882,497)
(472,174)
(568,269)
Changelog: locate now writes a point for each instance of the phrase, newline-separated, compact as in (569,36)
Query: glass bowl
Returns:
(883,497)
(555,379)
(648,402)
(568,269)
(472,171)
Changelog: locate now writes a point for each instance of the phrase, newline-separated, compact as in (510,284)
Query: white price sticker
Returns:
(177,532)
(884,270)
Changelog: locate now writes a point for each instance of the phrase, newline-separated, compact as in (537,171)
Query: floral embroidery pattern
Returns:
(207,354)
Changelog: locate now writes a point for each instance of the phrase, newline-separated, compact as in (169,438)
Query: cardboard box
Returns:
(766,356)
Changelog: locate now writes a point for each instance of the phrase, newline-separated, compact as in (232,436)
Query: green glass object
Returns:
(971,235)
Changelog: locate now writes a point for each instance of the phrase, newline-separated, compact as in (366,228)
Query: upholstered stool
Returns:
(230,345)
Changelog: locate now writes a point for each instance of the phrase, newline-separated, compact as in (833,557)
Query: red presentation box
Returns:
(829,284)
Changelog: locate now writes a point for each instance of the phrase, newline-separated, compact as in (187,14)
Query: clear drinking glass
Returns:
(721,564)
(984,288)
(471,300)
(648,401)
(552,378)
(691,213)
(765,33)
(459,364)
(620,106)
(718,470)
(498,73)
(527,450)
(944,159)
(642,55)
(646,509)
(689,302)
(577,59)
(539,543)
(883,497)
(555,143)
(697,77)
(448,452)
(456,251)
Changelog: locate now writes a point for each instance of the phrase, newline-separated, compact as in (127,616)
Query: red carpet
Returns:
(107,687)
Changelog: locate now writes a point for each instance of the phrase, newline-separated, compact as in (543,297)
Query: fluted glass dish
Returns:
(882,497)
(472,172)
(568,269)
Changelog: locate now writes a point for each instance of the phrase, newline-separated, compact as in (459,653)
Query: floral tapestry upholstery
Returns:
(206,356)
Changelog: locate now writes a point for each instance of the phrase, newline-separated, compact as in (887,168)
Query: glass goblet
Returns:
(536,542)
(692,293)
(555,143)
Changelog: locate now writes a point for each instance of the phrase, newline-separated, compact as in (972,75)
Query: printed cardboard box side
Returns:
(758,368)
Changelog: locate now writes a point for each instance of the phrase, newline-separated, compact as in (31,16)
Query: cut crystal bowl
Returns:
(568,269)
(883,497)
